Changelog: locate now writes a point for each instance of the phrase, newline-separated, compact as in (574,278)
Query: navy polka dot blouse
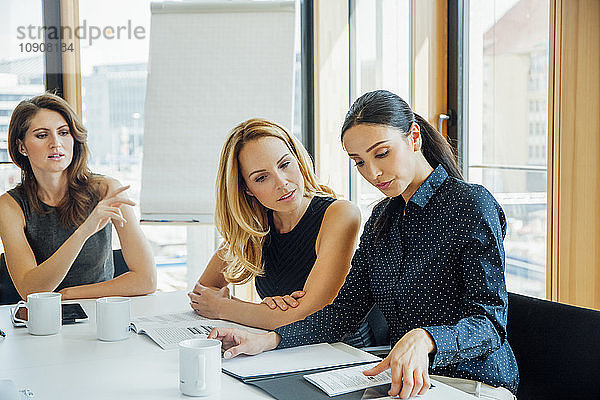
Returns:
(439,266)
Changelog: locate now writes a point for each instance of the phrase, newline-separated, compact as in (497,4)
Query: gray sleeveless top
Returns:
(45,234)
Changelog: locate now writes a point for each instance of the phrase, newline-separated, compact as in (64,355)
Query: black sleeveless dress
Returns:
(45,234)
(289,258)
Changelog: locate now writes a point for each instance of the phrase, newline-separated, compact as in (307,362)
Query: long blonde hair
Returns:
(240,218)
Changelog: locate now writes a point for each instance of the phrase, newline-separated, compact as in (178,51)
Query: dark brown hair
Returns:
(381,107)
(84,188)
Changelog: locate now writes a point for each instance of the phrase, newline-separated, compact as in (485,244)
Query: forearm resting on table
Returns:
(131,283)
(260,315)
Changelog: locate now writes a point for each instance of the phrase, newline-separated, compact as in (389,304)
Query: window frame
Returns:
(458,109)
(53,82)
(308,72)
(51,15)
(458,86)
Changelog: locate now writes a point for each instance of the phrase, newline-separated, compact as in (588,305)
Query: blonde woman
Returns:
(431,256)
(280,228)
(55,225)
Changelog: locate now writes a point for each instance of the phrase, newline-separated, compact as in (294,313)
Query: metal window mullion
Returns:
(457,80)
(53,59)
(353,184)
(307,61)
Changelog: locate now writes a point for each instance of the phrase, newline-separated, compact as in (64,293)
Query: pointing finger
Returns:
(117,191)
(379,368)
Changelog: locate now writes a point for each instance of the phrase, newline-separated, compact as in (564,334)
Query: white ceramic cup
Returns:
(113,316)
(44,313)
(199,367)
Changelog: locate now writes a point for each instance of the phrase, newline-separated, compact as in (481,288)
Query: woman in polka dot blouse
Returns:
(431,257)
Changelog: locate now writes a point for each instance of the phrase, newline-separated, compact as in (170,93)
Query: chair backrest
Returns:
(371,333)
(119,263)
(557,348)
(9,294)
(379,326)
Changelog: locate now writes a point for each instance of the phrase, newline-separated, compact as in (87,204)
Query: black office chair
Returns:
(9,294)
(557,348)
(119,263)
(372,335)
(379,327)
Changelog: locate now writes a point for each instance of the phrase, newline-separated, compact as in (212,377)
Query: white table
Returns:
(74,365)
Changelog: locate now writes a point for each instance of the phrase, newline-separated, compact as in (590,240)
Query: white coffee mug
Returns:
(44,313)
(113,316)
(199,367)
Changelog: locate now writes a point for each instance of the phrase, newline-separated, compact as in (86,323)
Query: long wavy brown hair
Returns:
(84,189)
(241,219)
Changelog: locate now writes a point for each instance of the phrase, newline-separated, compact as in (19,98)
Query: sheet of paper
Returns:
(167,330)
(294,359)
(169,338)
(204,51)
(346,380)
(168,319)
(185,319)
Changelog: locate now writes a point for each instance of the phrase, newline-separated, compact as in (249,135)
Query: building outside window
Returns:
(113,79)
(379,59)
(21,73)
(507,126)
(507,110)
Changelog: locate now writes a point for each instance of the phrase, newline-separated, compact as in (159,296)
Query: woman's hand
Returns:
(107,209)
(207,302)
(283,301)
(409,361)
(237,341)
(65,294)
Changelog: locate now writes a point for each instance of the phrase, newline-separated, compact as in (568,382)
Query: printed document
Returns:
(346,380)
(168,330)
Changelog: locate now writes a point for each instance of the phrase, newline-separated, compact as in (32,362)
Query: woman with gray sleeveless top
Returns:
(56,224)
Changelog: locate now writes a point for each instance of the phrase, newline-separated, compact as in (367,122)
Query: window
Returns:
(21,71)
(114,73)
(113,80)
(379,59)
(507,62)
